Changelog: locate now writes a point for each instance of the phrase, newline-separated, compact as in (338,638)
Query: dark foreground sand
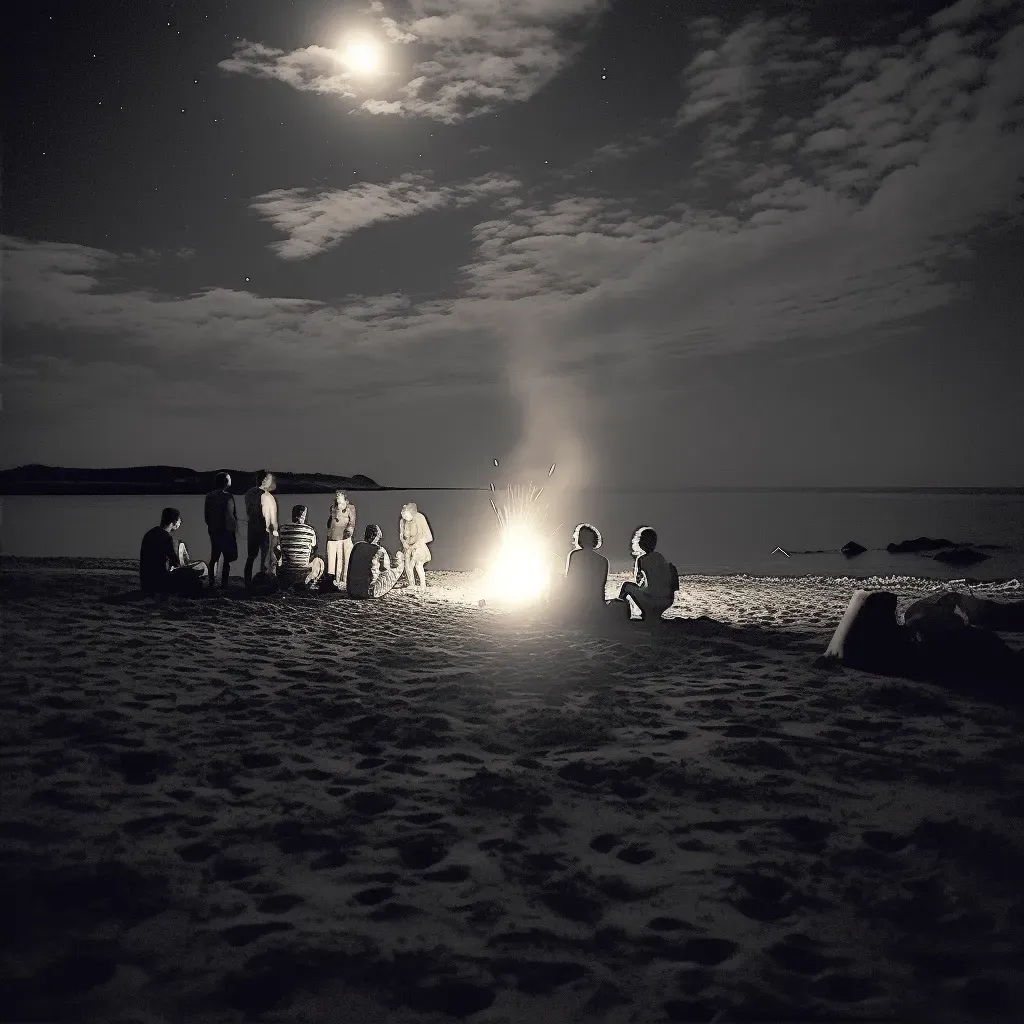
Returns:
(312,809)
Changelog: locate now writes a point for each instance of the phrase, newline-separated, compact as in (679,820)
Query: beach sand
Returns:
(314,809)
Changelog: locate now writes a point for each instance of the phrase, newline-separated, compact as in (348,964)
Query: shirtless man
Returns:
(261,511)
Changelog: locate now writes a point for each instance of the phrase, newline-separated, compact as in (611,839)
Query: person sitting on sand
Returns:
(164,569)
(262,531)
(655,584)
(414,533)
(300,563)
(586,574)
(341,526)
(222,523)
(369,568)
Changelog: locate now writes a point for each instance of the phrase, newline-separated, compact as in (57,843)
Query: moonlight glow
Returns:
(362,56)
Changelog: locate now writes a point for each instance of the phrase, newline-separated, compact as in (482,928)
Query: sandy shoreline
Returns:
(313,809)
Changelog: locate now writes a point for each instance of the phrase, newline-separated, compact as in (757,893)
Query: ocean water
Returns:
(706,532)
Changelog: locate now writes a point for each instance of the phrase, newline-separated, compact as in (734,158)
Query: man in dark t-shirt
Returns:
(160,564)
(222,524)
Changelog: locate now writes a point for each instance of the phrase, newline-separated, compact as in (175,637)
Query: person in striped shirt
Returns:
(299,560)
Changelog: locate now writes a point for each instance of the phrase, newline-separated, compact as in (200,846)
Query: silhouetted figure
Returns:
(222,524)
(414,534)
(586,575)
(869,637)
(262,530)
(656,580)
(341,526)
(370,573)
(936,642)
(164,569)
(299,561)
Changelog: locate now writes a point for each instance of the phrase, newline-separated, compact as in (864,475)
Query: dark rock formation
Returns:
(37,479)
(918,544)
(852,548)
(961,556)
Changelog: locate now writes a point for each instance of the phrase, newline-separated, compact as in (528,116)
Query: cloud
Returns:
(310,69)
(847,218)
(470,56)
(315,221)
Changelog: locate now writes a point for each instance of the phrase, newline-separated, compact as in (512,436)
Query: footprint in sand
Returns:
(538,977)
(929,962)
(769,897)
(501,844)
(330,859)
(299,837)
(796,953)
(140,767)
(604,998)
(454,998)
(424,818)
(452,873)
(885,842)
(807,830)
(76,974)
(422,852)
(394,912)
(984,994)
(844,988)
(230,869)
(371,802)
(243,934)
(604,843)
(690,1010)
(279,903)
(635,854)
(374,895)
(707,951)
(195,853)
(258,759)
(573,905)
(666,924)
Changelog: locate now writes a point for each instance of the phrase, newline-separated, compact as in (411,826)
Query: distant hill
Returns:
(36,479)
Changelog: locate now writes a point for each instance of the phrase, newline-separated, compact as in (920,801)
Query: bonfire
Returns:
(522,568)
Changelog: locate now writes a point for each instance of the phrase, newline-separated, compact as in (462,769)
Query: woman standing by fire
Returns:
(414,533)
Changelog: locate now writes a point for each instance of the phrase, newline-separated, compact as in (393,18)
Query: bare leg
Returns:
(421,575)
(410,570)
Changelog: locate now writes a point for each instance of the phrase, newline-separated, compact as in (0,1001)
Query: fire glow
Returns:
(522,567)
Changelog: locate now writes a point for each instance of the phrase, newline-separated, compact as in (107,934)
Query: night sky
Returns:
(658,243)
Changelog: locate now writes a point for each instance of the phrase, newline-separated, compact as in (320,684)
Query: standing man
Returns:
(341,525)
(222,524)
(262,532)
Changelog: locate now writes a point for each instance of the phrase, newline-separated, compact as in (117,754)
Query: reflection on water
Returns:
(702,532)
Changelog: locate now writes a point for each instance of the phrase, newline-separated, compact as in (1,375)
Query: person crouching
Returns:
(370,573)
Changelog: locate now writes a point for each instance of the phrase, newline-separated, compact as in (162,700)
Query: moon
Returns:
(362,56)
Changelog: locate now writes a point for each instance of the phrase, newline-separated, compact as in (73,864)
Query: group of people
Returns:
(652,590)
(287,552)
